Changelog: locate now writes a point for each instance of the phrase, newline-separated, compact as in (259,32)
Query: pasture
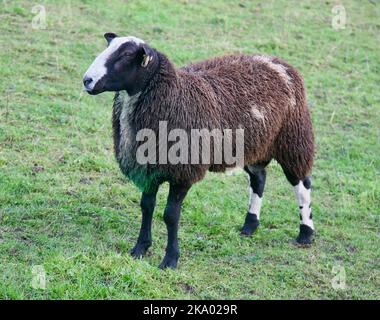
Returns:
(67,212)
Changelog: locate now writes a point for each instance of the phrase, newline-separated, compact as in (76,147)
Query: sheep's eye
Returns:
(121,57)
(125,55)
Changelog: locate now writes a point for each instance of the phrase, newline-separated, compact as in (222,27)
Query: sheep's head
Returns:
(123,65)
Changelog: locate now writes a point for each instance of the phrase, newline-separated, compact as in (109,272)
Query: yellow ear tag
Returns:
(146,60)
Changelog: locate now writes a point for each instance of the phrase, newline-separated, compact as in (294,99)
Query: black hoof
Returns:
(169,262)
(306,235)
(140,250)
(250,225)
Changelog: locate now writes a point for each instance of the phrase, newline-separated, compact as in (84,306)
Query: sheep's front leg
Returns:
(171,218)
(144,241)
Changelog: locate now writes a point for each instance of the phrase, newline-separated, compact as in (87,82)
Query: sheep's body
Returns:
(263,95)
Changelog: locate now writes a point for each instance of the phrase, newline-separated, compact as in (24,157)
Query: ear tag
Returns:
(146,60)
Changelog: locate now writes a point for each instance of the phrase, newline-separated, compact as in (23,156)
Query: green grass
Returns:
(65,205)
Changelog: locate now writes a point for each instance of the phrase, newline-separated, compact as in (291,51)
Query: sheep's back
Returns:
(257,93)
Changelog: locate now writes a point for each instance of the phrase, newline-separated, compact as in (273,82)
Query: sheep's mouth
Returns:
(94,92)
(98,88)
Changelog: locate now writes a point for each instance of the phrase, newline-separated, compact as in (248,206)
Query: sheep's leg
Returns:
(257,177)
(303,195)
(302,188)
(171,218)
(144,241)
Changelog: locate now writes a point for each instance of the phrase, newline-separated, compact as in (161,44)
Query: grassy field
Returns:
(65,206)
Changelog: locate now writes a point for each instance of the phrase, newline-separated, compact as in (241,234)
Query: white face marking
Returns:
(255,203)
(98,68)
(303,196)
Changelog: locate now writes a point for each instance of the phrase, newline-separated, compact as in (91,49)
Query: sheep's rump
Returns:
(260,94)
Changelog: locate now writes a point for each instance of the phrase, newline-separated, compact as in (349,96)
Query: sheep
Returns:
(263,95)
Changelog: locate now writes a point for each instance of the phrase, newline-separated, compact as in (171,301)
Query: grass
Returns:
(65,205)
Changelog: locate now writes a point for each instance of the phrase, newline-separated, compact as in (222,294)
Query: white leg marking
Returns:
(255,204)
(303,196)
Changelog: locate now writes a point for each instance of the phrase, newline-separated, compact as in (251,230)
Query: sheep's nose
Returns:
(87,81)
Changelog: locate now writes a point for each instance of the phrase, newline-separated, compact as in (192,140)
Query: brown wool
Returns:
(263,95)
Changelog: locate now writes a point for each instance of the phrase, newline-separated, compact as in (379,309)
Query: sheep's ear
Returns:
(147,55)
(109,36)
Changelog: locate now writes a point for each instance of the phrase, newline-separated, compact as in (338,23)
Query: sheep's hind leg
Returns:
(257,177)
(171,218)
(144,241)
(302,188)
(303,195)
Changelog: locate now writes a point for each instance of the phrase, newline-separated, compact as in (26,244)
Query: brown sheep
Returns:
(261,95)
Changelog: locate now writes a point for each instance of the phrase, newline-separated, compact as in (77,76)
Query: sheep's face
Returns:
(121,66)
